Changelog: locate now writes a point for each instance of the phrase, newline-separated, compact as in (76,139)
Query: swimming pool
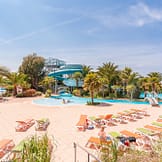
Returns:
(58,101)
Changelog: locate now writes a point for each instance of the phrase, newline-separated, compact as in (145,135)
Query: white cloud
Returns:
(142,14)
(138,15)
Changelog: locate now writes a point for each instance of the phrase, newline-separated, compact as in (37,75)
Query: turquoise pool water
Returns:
(57,101)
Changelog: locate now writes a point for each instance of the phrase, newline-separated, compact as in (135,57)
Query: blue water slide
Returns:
(60,75)
(72,83)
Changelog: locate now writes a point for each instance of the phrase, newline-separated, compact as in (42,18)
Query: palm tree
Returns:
(92,84)
(109,72)
(47,82)
(86,69)
(154,79)
(2,81)
(131,90)
(129,77)
(77,76)
(4,71)
(18,79)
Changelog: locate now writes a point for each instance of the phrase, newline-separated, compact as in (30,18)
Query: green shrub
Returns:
(77,92)
(29,93)
(35,149)
(48,93)
(20,95)
(94,103)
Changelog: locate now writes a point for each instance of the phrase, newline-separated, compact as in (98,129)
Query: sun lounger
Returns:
(153,128)
(129,134)
(147,131)
(96,143)
(159,120)
(5,146)
(140,112)
(42,124)
(140,140)
(82,123)
(114,134)
(23,125)
(157,124)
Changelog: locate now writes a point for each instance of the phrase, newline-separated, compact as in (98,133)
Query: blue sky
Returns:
(91,32)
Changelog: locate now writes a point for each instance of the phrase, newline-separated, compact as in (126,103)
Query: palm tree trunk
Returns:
(92,97)
(15,90)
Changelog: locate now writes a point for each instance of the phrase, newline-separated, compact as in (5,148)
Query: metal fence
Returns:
(90,156)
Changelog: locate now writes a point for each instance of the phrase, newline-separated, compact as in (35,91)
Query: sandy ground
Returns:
(63,121)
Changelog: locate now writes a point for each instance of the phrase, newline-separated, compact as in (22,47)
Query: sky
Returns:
(127,33)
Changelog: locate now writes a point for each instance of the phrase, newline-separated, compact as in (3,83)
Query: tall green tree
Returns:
(32,66)
(108,71)
(86,70)
(154,80)
(129,78)
(4,71)
(92,84)
(18,79)
(77,76)
(131,90)
(47,82)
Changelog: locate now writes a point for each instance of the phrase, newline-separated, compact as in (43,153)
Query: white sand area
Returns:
(62,123)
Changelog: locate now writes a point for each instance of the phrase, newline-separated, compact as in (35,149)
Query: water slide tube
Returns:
(152,101)
(61,75)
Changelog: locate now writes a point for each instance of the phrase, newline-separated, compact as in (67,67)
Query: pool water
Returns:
(73,100)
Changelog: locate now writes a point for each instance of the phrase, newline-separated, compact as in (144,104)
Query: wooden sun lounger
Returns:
(82,123)
(5,146)
(42,124)
(129,134)
(96,143)
(159,120)
(141,112)
(108,116)
(147,131)
(114,134)
(23,125)
(153,128)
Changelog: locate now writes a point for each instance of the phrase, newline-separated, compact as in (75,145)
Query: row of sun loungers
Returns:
(135,140)
(142,138)
(24,125)
(131,115)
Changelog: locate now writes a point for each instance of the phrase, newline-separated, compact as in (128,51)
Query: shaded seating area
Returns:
(42,124)
(24,125)
(6,145)
(82,123)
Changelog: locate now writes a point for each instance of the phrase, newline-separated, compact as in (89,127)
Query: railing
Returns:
(88,153)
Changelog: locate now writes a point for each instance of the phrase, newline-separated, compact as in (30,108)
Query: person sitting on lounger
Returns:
(102,134)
